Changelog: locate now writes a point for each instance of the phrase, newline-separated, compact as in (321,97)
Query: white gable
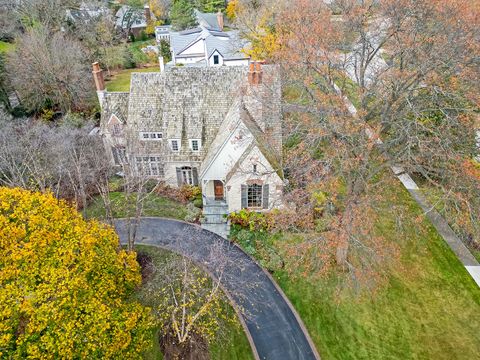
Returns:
(113,120)
(229,153)
(196,47)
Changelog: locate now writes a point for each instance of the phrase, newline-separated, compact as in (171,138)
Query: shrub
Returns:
(183,194)
(254,221)
(189,192)
(198,203)
(193,214)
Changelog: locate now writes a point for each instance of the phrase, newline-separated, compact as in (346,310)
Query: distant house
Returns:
(215,127)
(162,32)
(206,47)
(131,20)
(86,12)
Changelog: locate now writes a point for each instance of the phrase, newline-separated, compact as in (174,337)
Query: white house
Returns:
(206,47)
(215,127)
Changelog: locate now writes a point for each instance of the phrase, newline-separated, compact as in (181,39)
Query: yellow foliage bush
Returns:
(65,284)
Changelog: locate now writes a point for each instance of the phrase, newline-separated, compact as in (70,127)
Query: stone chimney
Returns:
(255,73)
(98,77)
(220,20)
(148,15)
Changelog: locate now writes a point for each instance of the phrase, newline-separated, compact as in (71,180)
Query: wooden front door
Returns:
(218,189)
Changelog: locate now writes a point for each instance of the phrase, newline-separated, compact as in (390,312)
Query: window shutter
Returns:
(195,176)
(179,177)
(265,194)
(244,197)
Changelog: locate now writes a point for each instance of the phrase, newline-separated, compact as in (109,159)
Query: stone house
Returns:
(216,127)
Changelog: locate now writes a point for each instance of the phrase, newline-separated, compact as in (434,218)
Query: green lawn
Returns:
(233,345)
(6,47)
(154,205)
(429,308)
(121,80)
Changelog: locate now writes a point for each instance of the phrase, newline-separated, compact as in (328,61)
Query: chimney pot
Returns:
(255,73)
(251,73)
(148,16)
(220,20)
(98,77)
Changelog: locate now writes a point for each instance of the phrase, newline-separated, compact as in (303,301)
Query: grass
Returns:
(154,205)
(6,47)
(233,345)
(429,308)
(121,80)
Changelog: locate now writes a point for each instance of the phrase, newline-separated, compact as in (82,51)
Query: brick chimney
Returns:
(148,15)
(255,73)
(220,20)
(98,77)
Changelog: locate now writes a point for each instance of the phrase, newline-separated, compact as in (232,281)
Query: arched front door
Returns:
(218,189)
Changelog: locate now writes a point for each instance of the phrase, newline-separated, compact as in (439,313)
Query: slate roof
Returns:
(139,18)
(208,20)
(197,103)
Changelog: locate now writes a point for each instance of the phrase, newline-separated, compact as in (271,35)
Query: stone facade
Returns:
(174,121)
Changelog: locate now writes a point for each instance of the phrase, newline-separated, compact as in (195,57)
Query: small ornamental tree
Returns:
(65,284)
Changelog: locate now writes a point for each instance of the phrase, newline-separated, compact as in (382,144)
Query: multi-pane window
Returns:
(254,195)
(174,144)
(195,144)
(150,165)
(216,59)
(187,175)
(151,135)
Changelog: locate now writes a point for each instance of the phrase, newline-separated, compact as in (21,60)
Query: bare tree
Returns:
(49,70)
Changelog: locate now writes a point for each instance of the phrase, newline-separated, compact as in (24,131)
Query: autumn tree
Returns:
(408,68)
(49,71)
(65,284)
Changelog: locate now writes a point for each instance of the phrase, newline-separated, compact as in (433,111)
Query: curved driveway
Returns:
(275,330)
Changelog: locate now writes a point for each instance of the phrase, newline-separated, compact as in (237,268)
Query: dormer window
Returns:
(114,125)
(195,144)
(175,144)
(254,168)
(216,59)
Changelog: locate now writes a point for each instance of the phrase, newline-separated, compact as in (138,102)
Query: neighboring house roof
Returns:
(228,44)
(208,20)
(85,13)
(126,14)
(163,29)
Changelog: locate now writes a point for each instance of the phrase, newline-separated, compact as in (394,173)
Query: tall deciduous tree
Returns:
(407,66)
(64,284)
(49,70)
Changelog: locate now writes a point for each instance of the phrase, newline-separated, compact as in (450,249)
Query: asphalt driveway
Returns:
(273,327)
